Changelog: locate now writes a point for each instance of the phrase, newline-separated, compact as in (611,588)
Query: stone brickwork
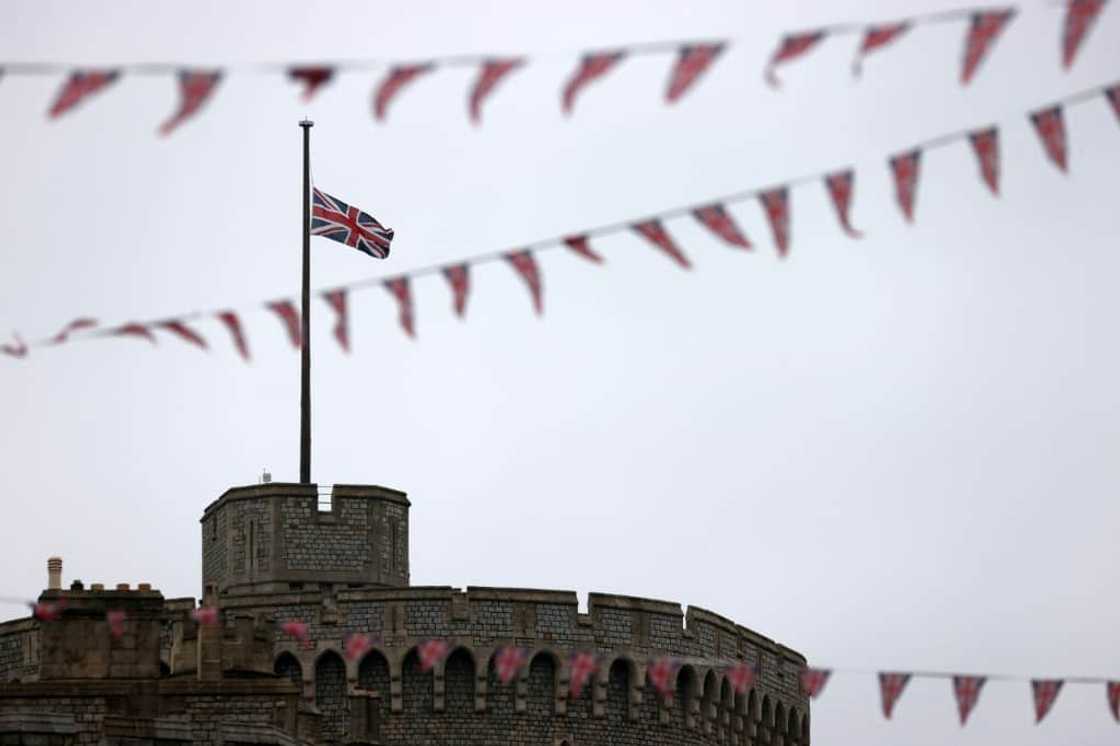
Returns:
(275,537)
(620,706)
(19,650)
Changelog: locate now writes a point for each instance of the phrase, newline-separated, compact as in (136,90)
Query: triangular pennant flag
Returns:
(719,221)
(207,616)
(233,325)
(489,75)
(313,78)
(509,662)
(19,349)
(400,289)
(983,30)
(526,266)
(655,233)
(813,681)
(183,332)
(877,37)
(74,326)
(662,672)
(295,629)
(336,299)
(1080,17)
(840,185)
(1045,693)
(985,143)
(890,687)
(334,219)
(905,169)
(290,318)
(967,691)
(78,86)
(459,277)
(775,203)
(584,665)
(1051,130)
(392,84)
(116,619)
(46,611)
(1113,96)
(432,653)
(792,47)
(592,67)
(582,246)
(195,89)
(691,63)
(356,646)
(133,329)
(741,676)
(1112,691)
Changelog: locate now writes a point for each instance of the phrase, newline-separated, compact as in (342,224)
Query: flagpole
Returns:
(305,316)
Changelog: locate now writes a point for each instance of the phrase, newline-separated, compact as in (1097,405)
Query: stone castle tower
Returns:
(276,553)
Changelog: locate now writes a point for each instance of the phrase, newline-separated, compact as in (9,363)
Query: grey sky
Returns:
(890,453)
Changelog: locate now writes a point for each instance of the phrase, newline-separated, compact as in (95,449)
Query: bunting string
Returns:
(197,85)
(775,202)
(983,28)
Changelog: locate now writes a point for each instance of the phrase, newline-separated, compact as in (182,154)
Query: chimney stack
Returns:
(54,574)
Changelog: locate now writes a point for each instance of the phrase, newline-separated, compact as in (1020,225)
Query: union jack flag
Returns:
(967,691)
(983,30)
(661,674)
(741,676)
(45,611)
(584,665)
(1113,691)
(813,681)
(205,615)
(509,661)
(1051,129)
(890,687)
(1045,692)
(295,629)
(332,218)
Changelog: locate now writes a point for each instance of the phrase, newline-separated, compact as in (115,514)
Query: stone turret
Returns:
(279,537)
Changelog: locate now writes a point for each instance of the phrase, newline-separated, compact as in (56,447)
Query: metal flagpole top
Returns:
(306,123)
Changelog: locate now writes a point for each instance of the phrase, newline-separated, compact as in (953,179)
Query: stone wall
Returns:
(462,701)
(276,537)
(19,650)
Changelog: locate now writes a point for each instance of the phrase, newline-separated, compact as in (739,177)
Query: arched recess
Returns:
(710,699)
(164,669)
(499,696)
(330,696)
(541,702)
(373,675)
(417,691)
(288,665)
(793,727)
(766,721)
(805,730)
(458,678)
(726,707)
(685,694)
(620,677)
(779,731)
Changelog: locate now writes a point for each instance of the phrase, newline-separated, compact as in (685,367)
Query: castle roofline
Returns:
(296,489)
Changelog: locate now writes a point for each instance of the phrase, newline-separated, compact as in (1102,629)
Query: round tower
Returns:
(278,537)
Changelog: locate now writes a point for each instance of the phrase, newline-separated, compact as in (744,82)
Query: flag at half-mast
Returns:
(332,218)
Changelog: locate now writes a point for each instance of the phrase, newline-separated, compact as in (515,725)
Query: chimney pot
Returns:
(54,573)
(122,586)
(77,586)
(144,587)
(97,586)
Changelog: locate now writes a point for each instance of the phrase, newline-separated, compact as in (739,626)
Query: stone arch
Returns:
(289,666)
(330,695)
(459,682)
(544,669)
(765,720)
(709,700)
(685,695)
(500,697)
(779,730)
(793,727)
(417,689)
(374,676)
(726,709)
(620,678)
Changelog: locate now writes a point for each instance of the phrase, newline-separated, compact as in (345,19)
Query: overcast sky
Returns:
(893,453)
